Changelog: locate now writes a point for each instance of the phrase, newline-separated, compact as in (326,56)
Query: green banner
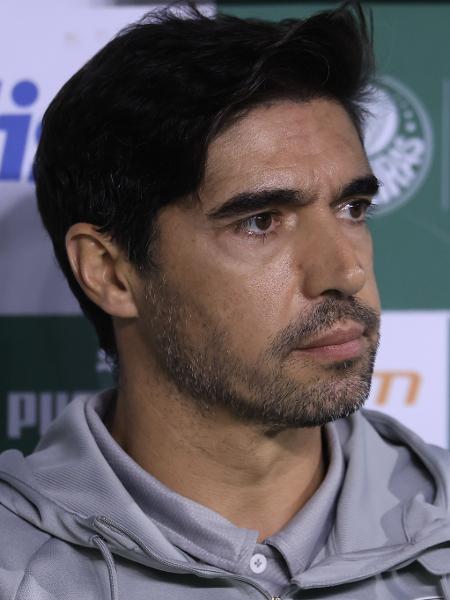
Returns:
(46,361)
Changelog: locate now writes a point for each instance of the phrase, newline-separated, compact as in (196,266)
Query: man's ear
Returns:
(101,269)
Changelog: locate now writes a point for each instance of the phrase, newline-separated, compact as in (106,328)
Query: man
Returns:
(206,190)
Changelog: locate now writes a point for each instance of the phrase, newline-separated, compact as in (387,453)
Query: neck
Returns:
(255,480)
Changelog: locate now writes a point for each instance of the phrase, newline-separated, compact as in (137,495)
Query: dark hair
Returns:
(129,132)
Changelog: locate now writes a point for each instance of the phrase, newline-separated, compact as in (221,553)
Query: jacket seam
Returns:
(445,586)
(40,494)
(27,570)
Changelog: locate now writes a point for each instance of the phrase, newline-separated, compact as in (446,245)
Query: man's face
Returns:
(265,302)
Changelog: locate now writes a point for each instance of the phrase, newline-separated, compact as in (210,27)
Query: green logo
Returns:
(399,142)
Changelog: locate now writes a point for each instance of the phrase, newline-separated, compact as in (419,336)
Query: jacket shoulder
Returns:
(20,539)
(392,428)
(20,542)
(32,563)
(435,458)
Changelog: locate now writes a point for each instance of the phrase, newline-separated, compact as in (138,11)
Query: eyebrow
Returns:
(247,202)
(368,185)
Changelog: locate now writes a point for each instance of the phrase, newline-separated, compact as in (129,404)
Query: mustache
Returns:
(321,318)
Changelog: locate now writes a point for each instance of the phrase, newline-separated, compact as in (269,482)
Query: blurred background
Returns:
(49,353)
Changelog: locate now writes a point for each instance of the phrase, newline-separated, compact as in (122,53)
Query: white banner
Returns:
(411,379)
(41,45)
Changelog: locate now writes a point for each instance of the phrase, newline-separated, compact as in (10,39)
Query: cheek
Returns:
(248,302)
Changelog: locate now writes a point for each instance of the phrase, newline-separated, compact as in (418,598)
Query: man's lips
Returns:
(342,342)
(340,334)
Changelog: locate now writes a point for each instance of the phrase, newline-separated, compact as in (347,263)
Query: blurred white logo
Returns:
(399,142)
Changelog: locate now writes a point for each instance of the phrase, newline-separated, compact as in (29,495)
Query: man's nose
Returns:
(332,263)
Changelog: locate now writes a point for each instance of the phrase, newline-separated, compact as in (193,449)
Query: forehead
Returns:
(309,145)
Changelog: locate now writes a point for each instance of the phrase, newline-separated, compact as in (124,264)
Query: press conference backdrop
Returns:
(48,352)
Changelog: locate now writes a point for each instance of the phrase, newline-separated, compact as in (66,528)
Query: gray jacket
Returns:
(69,530)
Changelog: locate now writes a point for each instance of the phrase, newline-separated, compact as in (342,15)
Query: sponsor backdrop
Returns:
(48,352)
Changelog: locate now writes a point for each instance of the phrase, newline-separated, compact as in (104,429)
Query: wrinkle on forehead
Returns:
(281,143)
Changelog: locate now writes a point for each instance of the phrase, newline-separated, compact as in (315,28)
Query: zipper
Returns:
(108,523)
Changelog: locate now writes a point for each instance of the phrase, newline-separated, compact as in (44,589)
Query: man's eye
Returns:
(357,210)
(259,225)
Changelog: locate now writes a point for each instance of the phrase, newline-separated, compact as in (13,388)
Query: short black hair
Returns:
(129,132)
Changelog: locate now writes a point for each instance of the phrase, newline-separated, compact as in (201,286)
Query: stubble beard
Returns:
(212,376)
